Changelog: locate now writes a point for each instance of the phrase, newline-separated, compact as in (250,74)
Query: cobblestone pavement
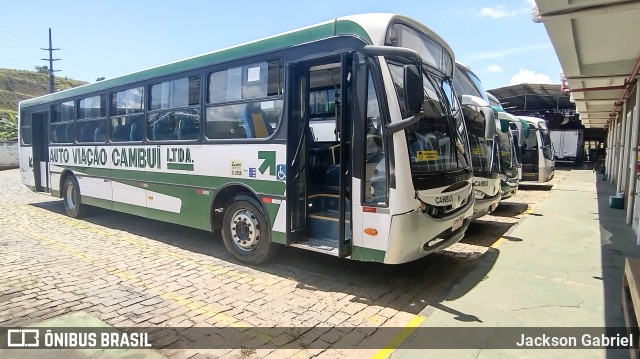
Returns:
(129,271)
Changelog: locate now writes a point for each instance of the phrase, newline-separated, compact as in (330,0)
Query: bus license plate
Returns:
(457,224)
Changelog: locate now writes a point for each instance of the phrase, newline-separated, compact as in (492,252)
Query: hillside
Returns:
(18,85)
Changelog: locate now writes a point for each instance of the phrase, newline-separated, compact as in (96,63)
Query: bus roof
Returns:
(533,120)
(371,28)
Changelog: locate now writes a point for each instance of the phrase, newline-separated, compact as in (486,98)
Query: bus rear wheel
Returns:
(245,231)
(71,198)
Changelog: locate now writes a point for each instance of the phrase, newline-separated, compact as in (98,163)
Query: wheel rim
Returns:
(245,230)
(70,197)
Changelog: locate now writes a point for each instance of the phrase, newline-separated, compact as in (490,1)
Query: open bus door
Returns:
(40,151)
(319,156)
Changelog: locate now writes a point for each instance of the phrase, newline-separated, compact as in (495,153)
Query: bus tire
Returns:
(71,198)
(245,231)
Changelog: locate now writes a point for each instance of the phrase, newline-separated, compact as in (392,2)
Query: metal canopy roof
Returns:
(524,98)
(597,45)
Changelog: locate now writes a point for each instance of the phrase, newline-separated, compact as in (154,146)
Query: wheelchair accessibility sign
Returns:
(281,172)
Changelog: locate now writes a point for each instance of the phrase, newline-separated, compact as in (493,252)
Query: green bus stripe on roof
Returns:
(302,36)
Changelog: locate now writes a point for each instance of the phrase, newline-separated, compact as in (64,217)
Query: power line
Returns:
(21,37)
(19,49)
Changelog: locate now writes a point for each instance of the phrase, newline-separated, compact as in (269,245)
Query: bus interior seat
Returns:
(121,133)
(87,132)
(101,134)
(137,131)
(254,122)
(162,131)
(61,134)
(187,129)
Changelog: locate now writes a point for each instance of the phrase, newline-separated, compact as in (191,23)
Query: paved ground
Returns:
(129,271)
(560,270)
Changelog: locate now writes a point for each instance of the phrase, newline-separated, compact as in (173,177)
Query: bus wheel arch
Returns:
(223,196)
(63,176)
(71,197)
(244,224)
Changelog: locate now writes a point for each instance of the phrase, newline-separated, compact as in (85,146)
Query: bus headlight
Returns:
(478,194)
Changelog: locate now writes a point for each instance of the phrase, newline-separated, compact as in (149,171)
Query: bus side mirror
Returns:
(413,90)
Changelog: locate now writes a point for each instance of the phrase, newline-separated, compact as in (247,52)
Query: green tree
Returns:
(9,128)
(42,69)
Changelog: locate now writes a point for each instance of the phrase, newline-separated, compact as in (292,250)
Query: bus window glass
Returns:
(176,110)
(253,81)
(91,119)
(128,123)
(25,128)
(248,120)
(375,185)
(181,124)
(430,51)
(62,125)
(128,101)
(433,143)
(176,93)
(92,107)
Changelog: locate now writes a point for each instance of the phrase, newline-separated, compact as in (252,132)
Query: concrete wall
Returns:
(8,154)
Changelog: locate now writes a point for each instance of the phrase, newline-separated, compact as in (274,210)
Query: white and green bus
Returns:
(341,138)
(480,120)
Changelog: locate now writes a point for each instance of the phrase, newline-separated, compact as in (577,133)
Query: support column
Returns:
(627,151)
(609,150)
(614,149)
(633,155)
(623,151)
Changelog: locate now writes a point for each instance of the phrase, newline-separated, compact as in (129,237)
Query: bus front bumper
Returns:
(416,234)
(485,206)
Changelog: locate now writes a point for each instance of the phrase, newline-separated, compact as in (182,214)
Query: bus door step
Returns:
(319,245)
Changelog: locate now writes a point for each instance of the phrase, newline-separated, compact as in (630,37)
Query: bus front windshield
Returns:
(508,162)
(547,150)
(436,143)
(466,82)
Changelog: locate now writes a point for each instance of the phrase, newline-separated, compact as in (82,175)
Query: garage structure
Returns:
(596,43)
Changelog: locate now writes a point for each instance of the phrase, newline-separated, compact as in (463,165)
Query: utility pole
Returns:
(52,85)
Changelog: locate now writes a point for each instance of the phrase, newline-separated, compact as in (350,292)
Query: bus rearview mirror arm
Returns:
(394,127)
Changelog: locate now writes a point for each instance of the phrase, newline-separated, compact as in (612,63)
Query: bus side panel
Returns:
(25,159)
(367,247)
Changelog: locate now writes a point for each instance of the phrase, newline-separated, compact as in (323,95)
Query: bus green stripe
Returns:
(213,182)
(368,254)
(180,166)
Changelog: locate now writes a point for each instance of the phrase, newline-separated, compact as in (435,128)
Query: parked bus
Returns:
(510,168)
(537,152)
(339,138)
(481,126)
(519,129)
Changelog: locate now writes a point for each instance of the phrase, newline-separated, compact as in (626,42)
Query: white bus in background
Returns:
(481,127)
(537,152)
(338,138)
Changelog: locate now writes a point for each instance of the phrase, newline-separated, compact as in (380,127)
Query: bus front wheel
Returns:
(245,231)
(71,198)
